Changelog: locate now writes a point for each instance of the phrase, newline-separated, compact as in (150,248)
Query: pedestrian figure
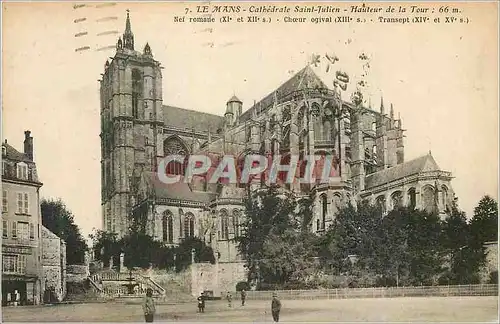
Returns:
(243,297)
(201,303)
(276,307)
(229,298)
(148,306)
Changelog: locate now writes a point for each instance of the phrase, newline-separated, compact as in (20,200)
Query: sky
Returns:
(442,80)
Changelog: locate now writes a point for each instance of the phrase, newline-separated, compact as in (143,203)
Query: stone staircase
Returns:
(106,285)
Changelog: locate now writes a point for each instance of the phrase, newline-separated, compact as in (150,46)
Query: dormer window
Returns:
(22,171)
(4,151)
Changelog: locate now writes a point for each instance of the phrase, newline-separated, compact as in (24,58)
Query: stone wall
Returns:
(491,261)
(77,273)
(54,263)
(218,278)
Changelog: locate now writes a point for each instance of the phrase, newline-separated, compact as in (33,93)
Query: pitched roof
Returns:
(304,79)
(13,154)
(179,190)
(191,119)
(415,166)
(234,99)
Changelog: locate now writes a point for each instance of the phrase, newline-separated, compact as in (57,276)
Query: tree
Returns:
(106,246)
(57,218)
(353,233)
(274,239)
(484,224)
(464,256)
(183,256)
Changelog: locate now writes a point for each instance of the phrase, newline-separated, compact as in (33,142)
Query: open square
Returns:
(418,309)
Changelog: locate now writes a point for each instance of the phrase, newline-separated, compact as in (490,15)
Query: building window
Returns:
(14,264)
(189,226)
(224,225)
(22,203)
(4,167)
(168,227)
(23,230)
(5,229)
(22,171)
(5,202)
(14,229)
(32,231)
(4,150)
(236,224)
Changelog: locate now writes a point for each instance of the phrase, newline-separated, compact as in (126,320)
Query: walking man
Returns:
(276,307)
(148,306)
(229,298)
(243,297)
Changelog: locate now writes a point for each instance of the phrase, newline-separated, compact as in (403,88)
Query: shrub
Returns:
(242,285)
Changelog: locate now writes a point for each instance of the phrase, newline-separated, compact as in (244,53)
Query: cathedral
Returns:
(301,117)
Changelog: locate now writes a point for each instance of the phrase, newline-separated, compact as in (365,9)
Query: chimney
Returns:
(28,145)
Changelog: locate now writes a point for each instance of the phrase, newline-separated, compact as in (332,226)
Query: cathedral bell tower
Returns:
(131,126)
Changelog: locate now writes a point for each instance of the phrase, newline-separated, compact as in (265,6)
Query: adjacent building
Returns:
(54,266)
(21,225)
(301,117)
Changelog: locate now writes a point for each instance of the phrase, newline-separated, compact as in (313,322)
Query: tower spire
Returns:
(128,36)
(392,111)
(382,110)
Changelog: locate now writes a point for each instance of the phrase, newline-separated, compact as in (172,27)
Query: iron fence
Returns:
(379,292)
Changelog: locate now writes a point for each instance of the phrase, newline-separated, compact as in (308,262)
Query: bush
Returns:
(242,285)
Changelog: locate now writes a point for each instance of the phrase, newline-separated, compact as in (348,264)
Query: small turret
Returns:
(392,112)
(382,109)
(147,50)
(233,110)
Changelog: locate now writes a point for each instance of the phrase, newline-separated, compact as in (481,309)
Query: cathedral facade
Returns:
(302,117)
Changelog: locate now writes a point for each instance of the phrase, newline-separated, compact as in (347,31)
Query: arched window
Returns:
(397,199)
(374,151)
(374,126)
(381,204)
(429,199)
(175,146)
(224,225)
(413,198)
(324,210)
(136,92)
(327,130)
(168,227)
(444,197)
(236,222)
(189,225)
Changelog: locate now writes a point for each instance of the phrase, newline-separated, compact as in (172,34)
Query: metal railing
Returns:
(379,292)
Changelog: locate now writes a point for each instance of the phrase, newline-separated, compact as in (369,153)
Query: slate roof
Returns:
(304,79)
(191,119)
(179,190)
(15,155)
(415,166)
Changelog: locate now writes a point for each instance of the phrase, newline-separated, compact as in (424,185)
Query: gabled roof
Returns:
(304,79)
(46,233)
(15,155)
(191,119)
(415,166)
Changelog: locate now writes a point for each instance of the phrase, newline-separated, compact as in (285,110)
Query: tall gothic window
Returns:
(168,227)
(429,199)
(324,211)
(381,204)
(188,225)
(236,222)
(413,198)
(224,225)
(136,92)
